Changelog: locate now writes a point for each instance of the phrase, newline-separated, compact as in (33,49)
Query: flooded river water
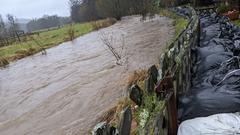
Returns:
(67,90)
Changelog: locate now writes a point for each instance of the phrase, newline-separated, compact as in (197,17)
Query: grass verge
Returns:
(180,23)
(46,39)
(3,62)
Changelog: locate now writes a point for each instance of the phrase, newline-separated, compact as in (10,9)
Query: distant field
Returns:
(35,43)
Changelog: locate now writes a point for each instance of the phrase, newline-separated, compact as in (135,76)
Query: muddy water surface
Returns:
(67,90)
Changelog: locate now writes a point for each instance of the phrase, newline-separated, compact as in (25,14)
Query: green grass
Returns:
(236,22)
(180,23)
(46,39)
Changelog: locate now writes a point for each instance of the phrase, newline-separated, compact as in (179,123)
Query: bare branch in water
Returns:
(110,42)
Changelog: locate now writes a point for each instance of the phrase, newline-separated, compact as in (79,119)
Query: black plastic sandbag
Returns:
(182,11)
(216,75)
(208,50)
(206,100)
(212,62)
(210,32)
(225,68)
(226,43)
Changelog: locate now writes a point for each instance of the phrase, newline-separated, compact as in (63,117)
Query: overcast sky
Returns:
(34,8)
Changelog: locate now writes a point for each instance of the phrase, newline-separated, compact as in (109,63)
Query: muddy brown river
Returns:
(67,90)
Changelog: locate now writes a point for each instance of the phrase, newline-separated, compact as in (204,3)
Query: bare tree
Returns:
(3,32)
(112,8)
(14,27)
(120,8)
(89,10)
(74,9)
(2,27)
(13,23)
(118,51)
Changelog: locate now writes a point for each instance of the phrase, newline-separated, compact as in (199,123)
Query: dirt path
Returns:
(67,90)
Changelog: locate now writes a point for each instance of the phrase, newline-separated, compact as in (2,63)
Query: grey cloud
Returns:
(34,8)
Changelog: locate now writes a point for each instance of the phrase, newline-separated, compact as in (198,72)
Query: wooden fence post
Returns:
(17,36)
(172,114)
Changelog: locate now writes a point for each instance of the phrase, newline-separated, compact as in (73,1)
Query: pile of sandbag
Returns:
(216,75)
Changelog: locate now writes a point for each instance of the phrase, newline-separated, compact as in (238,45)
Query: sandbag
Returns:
(236,49)
(226,43)
(207,20)
(208,50)
(226,67)
(219,124)
(232,78)
(182,11)
(214,76)
(205,100)
(212,61)
(212,31)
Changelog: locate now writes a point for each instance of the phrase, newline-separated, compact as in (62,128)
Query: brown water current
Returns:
(67,90)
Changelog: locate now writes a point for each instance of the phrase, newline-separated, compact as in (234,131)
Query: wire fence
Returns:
(17,36)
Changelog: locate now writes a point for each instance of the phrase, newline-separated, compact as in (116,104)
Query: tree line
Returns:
(47,22)
(10,28)
(90,10)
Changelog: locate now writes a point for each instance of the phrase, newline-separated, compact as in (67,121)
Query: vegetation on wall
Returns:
(179,22)
(223,7)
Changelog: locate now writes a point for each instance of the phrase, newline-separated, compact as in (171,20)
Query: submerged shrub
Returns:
(71,32)
(26,52)
(3,62)
(103,23)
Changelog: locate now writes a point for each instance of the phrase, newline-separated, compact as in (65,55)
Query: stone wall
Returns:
(166,82)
